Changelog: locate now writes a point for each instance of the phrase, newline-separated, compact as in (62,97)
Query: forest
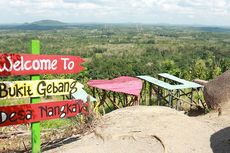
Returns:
(112,50)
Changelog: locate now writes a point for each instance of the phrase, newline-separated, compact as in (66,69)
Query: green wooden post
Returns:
(35,127)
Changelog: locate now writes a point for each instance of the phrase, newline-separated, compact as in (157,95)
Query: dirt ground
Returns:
(18,139)
(154,129)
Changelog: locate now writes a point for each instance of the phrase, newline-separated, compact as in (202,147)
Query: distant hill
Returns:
(213,29)
(55,24)
(52,23)
(42,25)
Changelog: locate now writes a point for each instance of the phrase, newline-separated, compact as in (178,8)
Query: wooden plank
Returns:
(38,88)
(29,113)
(27,64)
(156,82)
(187,84)
(161,84)
(82,95)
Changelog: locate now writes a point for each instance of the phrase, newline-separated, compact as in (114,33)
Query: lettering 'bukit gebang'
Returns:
(40,88)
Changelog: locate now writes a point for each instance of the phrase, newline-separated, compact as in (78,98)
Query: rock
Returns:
(199,81)
(144,129)
(217,92)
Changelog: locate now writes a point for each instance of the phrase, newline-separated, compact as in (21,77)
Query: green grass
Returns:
(8,102)
(56,123)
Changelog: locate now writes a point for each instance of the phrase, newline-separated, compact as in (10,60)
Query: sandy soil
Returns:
(220,138)
(154,129)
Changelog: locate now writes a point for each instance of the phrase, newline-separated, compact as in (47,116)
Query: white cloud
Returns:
(161,11)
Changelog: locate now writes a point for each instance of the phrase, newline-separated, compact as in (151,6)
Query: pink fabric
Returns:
(124,84)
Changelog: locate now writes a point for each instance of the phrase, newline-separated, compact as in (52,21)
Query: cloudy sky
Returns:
(202,12)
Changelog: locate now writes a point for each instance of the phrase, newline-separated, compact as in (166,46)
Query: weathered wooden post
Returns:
(170,98)
(145,92)
(150,93)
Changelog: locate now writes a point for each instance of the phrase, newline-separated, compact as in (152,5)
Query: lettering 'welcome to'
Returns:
(38,64)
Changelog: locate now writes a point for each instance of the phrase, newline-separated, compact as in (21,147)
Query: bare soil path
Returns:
(154,129)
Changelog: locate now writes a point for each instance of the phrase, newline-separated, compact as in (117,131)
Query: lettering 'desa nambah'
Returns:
(38,88)
(29,64)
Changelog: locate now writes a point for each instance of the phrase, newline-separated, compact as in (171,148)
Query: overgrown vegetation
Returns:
(112,50)
(115,50)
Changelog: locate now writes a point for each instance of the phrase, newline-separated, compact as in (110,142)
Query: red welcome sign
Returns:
(34,64)
(28,113)
(28,64)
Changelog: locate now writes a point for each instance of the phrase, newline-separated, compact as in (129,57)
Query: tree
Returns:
(200,69)
(216,71)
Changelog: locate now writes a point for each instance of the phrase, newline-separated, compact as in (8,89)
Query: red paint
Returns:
(27,113)
(29,64)
(123,84)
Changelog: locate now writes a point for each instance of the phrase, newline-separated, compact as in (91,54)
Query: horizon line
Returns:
(131,23)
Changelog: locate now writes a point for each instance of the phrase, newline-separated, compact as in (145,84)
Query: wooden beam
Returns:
(170,98)
(150,93)
(146,92)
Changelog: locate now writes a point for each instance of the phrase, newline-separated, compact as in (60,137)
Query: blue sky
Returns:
(201,12)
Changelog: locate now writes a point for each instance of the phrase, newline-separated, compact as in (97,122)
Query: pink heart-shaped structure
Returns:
(123,84)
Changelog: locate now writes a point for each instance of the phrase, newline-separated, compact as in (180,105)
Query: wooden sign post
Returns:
(35,127)
(34,65)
